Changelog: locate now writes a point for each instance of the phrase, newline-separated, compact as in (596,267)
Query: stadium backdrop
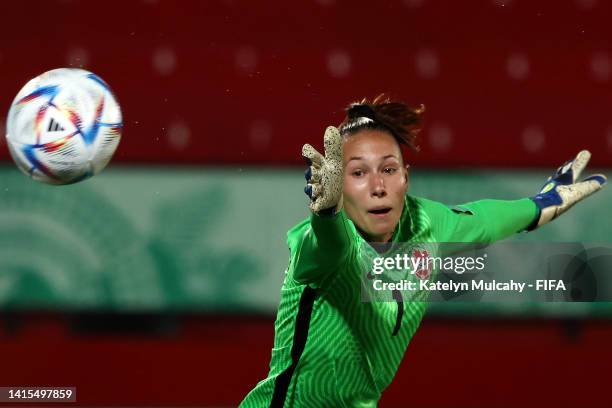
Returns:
(191,215)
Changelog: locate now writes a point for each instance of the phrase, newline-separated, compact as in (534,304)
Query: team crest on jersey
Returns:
(423,271)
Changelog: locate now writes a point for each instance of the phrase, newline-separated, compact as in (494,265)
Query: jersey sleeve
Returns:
(484,221)
(319,247)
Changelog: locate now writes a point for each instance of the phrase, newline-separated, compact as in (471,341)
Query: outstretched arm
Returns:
(488,221)
(324,246)
(482,221)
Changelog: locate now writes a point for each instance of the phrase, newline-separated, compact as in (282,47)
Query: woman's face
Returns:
(375,183)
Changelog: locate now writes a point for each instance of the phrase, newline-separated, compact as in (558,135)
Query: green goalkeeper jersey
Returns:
(330,348)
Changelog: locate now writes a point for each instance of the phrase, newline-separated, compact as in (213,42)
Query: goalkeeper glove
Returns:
(325,175)
(561,190)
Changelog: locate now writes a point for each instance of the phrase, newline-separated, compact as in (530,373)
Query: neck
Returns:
(381,238)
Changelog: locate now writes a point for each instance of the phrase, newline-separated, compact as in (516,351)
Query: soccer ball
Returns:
(63,126)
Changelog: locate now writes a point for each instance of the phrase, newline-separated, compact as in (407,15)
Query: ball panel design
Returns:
(64,126)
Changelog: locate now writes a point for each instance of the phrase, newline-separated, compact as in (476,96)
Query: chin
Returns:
(377,232)
(381,229)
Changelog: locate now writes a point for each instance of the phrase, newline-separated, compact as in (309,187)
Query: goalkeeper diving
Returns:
(330,348)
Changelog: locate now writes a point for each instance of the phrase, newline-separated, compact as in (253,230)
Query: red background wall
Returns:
(215,361)
(505,83)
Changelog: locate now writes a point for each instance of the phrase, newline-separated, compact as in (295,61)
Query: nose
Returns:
(378,186)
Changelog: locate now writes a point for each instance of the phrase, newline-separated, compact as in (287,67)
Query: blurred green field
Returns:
(211,239)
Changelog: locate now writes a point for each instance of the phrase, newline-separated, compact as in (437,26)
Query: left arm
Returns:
(483,221)
(487,221)
(492,220)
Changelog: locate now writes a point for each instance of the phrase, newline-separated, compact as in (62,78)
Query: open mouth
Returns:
(380,211)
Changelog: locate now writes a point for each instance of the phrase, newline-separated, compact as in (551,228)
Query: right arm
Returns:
(321,247)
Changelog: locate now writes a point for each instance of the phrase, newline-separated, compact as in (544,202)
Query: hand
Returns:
(561,190)
(325,175)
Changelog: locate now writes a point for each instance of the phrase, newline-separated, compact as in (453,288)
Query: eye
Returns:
(390,170)
(358,173)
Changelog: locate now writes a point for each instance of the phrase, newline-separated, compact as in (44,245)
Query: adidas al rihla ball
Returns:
(63,126)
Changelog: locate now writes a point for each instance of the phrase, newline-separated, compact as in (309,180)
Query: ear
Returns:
(406,172)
